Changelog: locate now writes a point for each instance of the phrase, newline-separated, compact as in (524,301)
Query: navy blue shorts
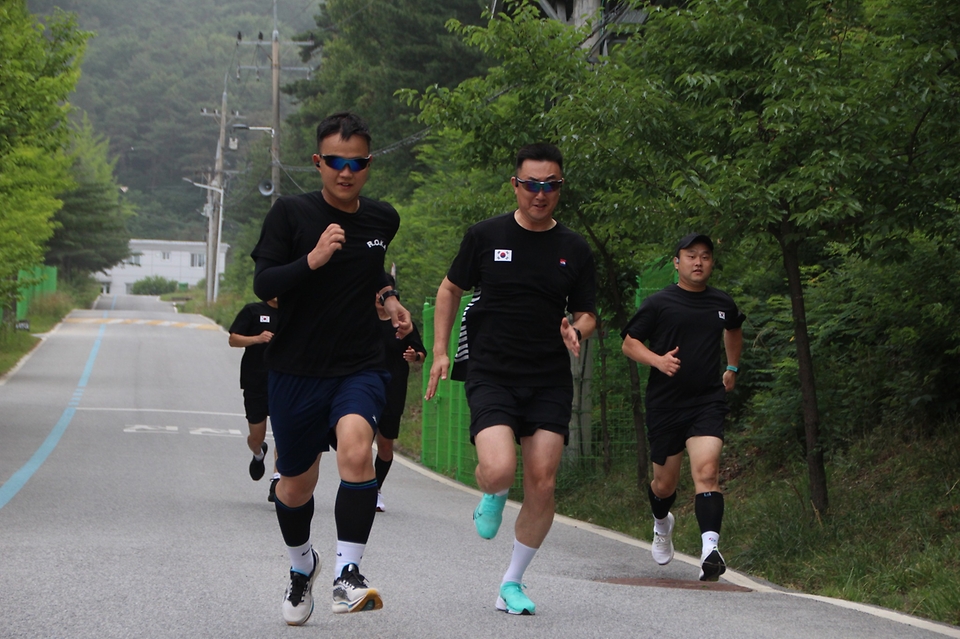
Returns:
(525,409)
(668,430)
(304,412)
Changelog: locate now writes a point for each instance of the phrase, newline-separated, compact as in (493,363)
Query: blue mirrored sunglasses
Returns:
(535,187)
(337,163)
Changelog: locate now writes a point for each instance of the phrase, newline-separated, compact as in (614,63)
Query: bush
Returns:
(153,285)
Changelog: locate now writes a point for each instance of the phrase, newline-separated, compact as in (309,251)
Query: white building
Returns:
(182,262)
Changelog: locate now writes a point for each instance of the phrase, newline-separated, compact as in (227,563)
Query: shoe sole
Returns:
(502,607)
(712,567)
(370,601)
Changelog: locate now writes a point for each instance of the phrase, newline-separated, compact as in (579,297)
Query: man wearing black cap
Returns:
(686,398)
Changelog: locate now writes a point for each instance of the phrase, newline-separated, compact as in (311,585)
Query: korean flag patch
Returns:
(502,255)
(264,319)
(723,315)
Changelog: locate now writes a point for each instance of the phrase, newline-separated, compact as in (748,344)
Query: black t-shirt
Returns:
(253,319)
(328,322)
(695,322)
(398,367)
(527,280)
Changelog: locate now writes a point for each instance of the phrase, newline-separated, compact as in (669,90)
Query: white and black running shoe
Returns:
(298,600)
(352,594)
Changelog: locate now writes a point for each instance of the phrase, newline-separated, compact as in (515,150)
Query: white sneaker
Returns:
(298,600)
(380,507)
(662,549)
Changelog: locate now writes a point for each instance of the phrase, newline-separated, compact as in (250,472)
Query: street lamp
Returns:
(212,269)
(274,159)
(247,127)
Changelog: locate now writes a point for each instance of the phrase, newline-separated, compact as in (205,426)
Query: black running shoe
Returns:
(352,594)
(256,465)
(712,566)
(272,497)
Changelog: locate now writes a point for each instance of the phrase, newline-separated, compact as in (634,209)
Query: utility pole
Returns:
(275,138)
(216,185)
(275,68)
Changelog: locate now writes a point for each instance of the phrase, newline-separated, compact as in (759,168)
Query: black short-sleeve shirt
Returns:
(695,322)
(527,280)
(396,365)
(253,319)
(328,321)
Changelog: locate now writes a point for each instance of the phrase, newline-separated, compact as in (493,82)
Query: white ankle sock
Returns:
(301,559)
(522,556)
(348,553)
(661,526)
(710,541)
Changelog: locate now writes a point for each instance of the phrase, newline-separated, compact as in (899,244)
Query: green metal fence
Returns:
(40,280)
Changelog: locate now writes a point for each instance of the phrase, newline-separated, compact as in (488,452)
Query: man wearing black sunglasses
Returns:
(531,271)
(322,255)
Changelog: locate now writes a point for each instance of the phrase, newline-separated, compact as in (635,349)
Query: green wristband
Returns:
(733,368)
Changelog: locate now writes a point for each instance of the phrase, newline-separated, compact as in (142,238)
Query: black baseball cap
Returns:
(693,238)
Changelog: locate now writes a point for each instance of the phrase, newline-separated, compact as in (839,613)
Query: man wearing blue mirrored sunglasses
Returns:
(531,272)
(322,255)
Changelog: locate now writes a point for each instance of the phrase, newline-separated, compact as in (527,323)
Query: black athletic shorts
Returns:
(525,409)
(255,404)
(668,430)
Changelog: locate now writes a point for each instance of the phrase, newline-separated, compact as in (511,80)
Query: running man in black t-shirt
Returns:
(252,330)
(686,396)
(322,255)
(401,353)
(531,270)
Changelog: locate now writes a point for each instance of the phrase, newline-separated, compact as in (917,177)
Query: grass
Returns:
(45,312)
(891,537)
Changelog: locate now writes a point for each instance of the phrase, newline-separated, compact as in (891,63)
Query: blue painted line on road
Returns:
(20,478)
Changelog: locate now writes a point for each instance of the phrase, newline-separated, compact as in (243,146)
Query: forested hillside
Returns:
(150,68)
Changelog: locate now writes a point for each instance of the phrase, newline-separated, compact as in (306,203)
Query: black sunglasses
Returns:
(535,187)
(337,163)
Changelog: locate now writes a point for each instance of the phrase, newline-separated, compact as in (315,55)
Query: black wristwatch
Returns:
(386,294)
(579,334)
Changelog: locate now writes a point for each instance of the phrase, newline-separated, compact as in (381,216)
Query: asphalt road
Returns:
(126,511)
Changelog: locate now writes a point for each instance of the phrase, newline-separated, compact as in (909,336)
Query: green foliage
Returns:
(153,285)
(885,350)
(39,70)
(894,542)
(150,69)
(371,52)
(90,233)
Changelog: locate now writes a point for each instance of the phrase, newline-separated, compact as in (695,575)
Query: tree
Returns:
(90,232)
(791,122)
(151,67)
(371,52)
(39,67)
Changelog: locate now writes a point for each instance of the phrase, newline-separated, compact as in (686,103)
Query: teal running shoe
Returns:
(513,601)
(488,515)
